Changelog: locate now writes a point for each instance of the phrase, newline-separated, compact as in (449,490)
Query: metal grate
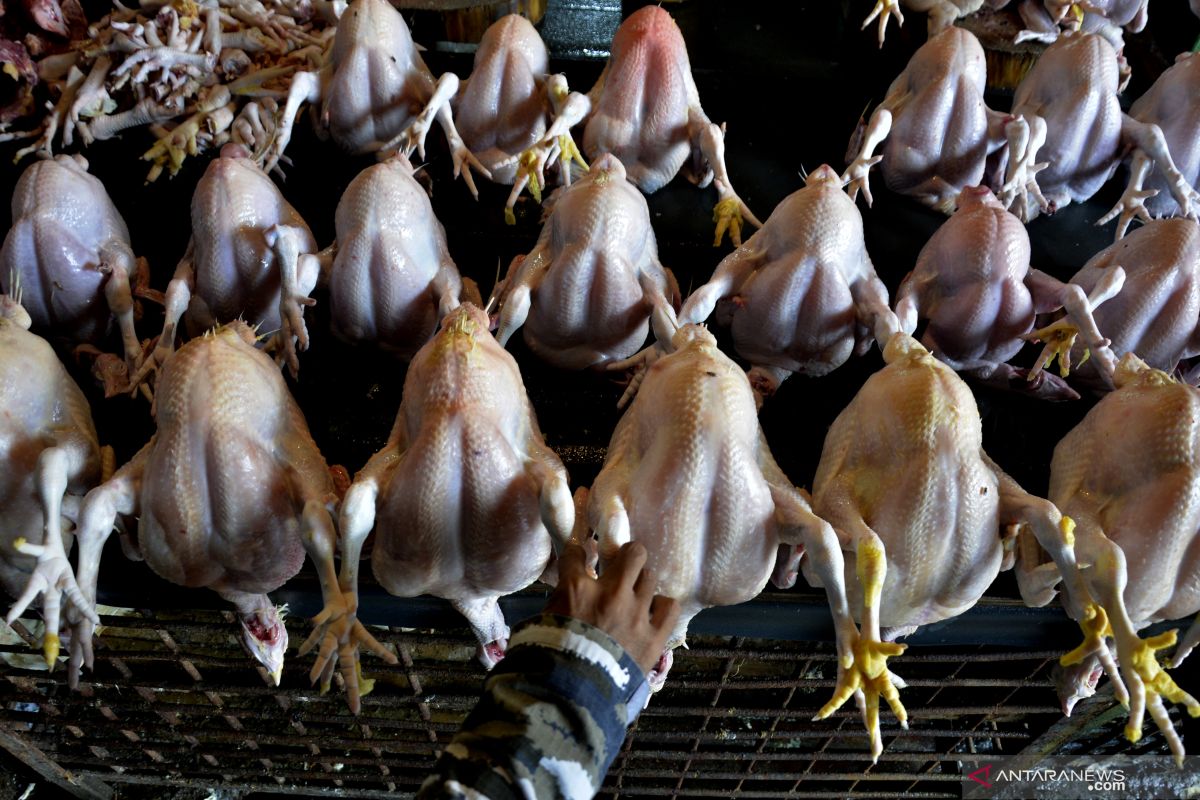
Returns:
(174,701)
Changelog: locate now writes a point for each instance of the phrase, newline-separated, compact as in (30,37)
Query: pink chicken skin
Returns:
(646,111)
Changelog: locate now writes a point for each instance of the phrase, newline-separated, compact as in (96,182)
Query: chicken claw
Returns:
(340,635)
(1059,338)
(884,9)
(857,174)
(866,669)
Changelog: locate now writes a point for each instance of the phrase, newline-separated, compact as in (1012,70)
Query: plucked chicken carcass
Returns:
(919,510)
(249,258)
(586,290)
(801,293)
(689,475)
(936,130)
(513,115)
(646,111)
(229,494)
(465,496)
(976,292)
(1129,475)
(375,92)
(1077,131)
(1157,313)
(68,248)
(392,277)
(51,457)
(1173,104)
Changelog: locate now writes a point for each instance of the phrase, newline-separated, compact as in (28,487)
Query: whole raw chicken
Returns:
(937,131)
(1157,313)
(1173,104)
(1108,18)
(392,278)
(513,115)
(51,457)
(67,249)
(586,290)
(801,293)
(919,510)
(975,290)
(1077,129)
(689,475)
(244,261)
(463,494)
(1129,475)
(229,494)
(646,111)
(375,92)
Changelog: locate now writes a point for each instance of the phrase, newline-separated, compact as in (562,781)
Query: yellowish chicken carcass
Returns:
(1129,475)
(920,514)
(51,457)
(464,498)
(689,475)
(229,493)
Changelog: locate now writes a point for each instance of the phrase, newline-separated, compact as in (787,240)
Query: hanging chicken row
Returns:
(232,480)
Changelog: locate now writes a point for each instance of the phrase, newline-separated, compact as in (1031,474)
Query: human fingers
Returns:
(623,571)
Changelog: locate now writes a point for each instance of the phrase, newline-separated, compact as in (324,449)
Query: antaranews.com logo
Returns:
(1066,777)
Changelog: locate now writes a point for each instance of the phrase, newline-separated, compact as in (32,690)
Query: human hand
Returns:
(621,602)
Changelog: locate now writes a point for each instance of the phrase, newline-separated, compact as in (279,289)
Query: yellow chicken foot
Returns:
(1058,338)
(1157,683)
(866,669)
(728,215)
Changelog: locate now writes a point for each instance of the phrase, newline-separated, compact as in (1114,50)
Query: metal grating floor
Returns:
(174,701)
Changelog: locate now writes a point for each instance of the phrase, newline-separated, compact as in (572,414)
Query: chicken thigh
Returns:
(586,290)
(937,132)
(689,475)
(393,277)
(1157,313)
(503,110)
(229,494)
(249,259)
(375,92)
(1173,104)
(51,457)
(801,293)
(1077,129)
(463,495)
(975,290)
(67,248)
(919,510)
(1129,475)
(646,111)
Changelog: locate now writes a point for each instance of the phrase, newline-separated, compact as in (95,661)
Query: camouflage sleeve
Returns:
(551,719)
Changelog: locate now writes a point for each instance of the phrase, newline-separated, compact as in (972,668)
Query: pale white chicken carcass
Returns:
(513,115)
(646,111)
(978,296)
(1129,475)
(585,292)
(1077,131)
(689,475)
(229,493)
(1157,313)
(1173,104)
(50,456)
(1045,20)
(374,92)
(250,258)
(465,496)
(936,131)
(919,512)
(801,294)
(69,250)
(392,277)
